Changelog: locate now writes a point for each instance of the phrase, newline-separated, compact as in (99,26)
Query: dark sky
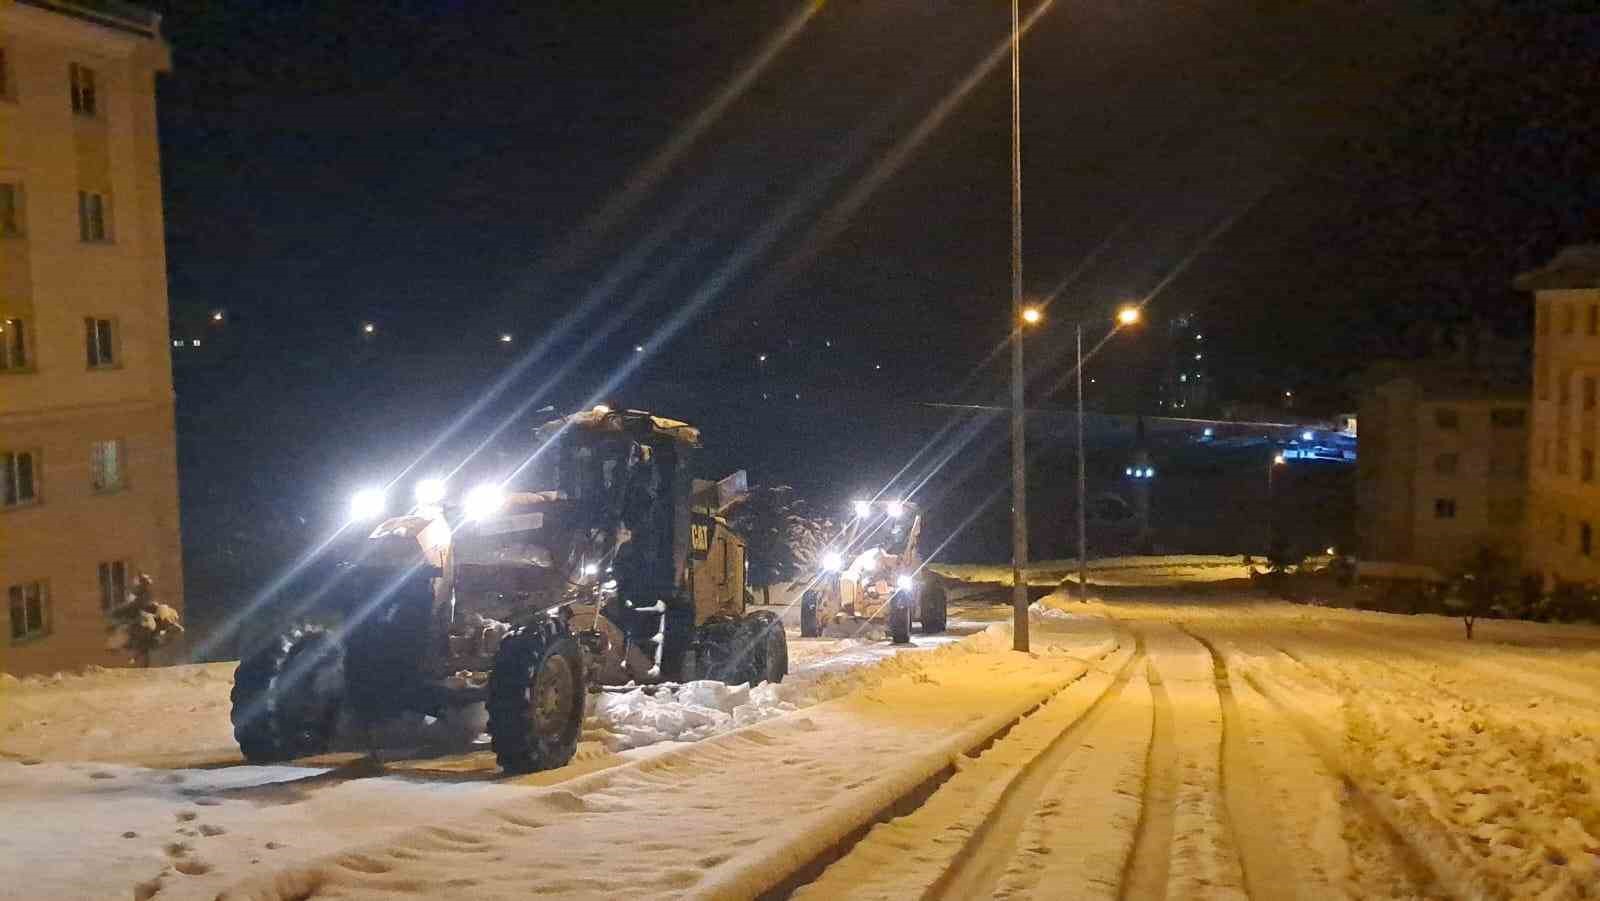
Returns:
(424,164)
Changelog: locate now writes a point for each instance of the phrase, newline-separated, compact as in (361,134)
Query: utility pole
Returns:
(1019,443)
(1083,486)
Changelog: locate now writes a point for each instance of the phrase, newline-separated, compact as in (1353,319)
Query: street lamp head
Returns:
(1032,315)
(1278,460)
(1128,315)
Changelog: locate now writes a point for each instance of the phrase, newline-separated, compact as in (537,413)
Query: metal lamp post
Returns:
(1019,447)
(1128,315)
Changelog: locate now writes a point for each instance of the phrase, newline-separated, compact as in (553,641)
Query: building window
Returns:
(1444,508)
(1446,464)
(93,221)
(1446,418)
(30,611)
(13,345)
(1508,417)
(10,210)
(5,76)
(1585,538)
(105,465)
(1541,378)
(1588,392)
(1564,388)
(1594,319)
(1505,510)
(1544,454)
(1562,464)
(1586,465)
(85,102)
(1569,319)
(19,478)
(100,337)
(113,585)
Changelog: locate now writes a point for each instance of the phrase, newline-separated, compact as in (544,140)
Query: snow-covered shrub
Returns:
(141,624)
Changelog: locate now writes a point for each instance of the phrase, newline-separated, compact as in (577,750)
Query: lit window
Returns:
(19,478)
(13,345)
(113,585)
(85,102)
(30,611)
(10,210)
(100,342)
(105,465)
(1444,508)
(92,218)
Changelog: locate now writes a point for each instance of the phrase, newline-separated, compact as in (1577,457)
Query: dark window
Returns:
(1444,508)
(1508,418)
(1564,388)
(1446,464)
(30,610)
(1569,319)
(1586,465)
(1585,538)
(13,345)
(100,342)
(84,100)
(18,481)
(1594,319)
(105,465)
(113,584)
(10,210)
(1446,418)
(1588,392)
(5,75)
(92,227)
(1541,378)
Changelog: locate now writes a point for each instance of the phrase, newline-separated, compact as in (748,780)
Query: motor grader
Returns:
(873,573)
(597,561)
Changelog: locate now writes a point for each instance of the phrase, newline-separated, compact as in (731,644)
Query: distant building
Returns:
(1443,462)
(88,474)
(1564,498)
(1186,382)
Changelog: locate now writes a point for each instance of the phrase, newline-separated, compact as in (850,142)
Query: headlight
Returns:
(863,509)
(484,501)
(895,509)
(832,562)
(429,492)
(368,503)
(904,582)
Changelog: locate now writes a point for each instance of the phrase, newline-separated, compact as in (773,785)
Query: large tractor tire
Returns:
(810,622)
(287,696)
(536,698)
(934,605)
(900,618)
(745,651)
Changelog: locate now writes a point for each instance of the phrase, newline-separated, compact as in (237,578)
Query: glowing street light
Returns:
(1032,315)
(505,337)
(216,316)
(368,328)
(1128,315)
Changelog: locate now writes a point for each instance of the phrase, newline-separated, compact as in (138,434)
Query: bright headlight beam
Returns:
(429,492)
(863,509)
(368,503)
(895,509)
(832,561)
(484,501)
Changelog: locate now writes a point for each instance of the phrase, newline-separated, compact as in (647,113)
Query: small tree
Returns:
(1485,582)
(782,537)
(141,624)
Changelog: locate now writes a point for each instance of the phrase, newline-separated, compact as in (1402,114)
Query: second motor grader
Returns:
(873,573)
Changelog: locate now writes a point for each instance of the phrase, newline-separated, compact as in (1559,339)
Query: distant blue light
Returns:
(1128,471)
(1307,435)
(1209,432)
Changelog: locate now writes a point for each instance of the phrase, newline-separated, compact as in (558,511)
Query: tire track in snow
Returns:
(993,844)
(1144,874)
(1251,821)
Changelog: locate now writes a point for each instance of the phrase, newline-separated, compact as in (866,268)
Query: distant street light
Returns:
(638,348)
(216,316)
(1032,316)
(505,338)
(368,328)
(1127,316)
(1272,499)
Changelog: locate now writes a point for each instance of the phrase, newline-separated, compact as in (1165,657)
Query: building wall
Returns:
(1564,497)
(52,280)
(1434,493)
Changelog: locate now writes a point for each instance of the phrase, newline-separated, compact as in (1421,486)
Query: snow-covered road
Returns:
(1181,747)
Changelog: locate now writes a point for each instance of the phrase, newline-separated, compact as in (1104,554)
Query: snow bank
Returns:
(689,712)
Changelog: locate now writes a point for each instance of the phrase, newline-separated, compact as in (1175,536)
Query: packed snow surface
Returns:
(1136,571)
(1200,746)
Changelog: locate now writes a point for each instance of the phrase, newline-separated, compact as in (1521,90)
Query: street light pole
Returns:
(1019,446)
(1083,486)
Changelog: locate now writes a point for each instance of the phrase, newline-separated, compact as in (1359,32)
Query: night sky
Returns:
(428,166)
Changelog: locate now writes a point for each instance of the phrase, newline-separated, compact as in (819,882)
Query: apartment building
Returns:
(88,474)
(1564,496)
(1443,462)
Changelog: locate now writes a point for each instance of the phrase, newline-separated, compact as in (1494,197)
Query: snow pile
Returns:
(688,712)
(1041,610)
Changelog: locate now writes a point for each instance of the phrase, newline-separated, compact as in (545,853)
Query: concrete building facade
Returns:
(1443,463)
(1564,494)
(88,473)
